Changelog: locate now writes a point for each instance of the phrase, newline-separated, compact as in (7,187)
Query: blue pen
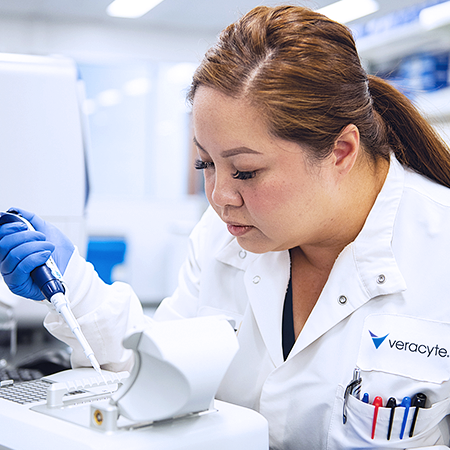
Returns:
(406,403)
(365,398)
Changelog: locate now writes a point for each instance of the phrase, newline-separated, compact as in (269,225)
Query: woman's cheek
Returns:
(263,200)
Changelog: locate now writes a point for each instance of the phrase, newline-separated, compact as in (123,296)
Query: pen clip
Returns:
(419,400)
(391,403)
(353,388)
(377,402)
(406,403)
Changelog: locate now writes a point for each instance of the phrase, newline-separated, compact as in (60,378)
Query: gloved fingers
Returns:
(12,227)
(64,247)
(22,250)
(26,257)
(38,223)
(10,239)
(26,289)
(18,278)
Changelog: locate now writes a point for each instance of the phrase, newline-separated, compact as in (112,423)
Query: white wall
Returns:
(152,211)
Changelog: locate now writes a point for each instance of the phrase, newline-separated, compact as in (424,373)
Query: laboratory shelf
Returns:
(400,41)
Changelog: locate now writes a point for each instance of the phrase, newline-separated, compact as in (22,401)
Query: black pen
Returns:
(418,401)
(391,403)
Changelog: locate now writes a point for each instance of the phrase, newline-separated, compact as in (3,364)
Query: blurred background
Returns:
(142,197)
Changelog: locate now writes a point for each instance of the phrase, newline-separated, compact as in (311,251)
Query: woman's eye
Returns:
(201,165)
(238,175)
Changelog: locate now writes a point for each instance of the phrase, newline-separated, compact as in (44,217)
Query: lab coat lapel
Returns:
(344,294)
(340,297)
(266,281)
(266,278)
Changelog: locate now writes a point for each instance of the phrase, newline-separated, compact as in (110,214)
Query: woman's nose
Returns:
(225,192)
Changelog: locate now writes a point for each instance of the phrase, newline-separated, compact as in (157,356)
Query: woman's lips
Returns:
(238,230)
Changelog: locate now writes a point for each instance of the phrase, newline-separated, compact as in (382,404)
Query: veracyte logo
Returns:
(413,347)
(377,341)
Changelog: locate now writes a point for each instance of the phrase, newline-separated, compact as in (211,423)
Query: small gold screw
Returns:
(98,417)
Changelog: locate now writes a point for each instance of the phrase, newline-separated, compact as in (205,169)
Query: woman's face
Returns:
(262,187)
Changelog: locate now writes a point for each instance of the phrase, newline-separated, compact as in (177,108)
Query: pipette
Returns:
(49,280)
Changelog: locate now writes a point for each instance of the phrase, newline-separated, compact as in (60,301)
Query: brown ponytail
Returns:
(302,71)
(413,140)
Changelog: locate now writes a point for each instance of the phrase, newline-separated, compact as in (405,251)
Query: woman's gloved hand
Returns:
(22,250)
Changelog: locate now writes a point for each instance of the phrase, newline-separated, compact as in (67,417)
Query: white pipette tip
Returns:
(97,368)
(62,305)
(95,363)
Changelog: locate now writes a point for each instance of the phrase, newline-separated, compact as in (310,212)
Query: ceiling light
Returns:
(131,9)
(347,10)
(435,16)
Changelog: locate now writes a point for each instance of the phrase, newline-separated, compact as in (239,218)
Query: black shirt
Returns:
(288,334)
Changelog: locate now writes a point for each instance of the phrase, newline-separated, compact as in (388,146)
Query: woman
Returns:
(326,241)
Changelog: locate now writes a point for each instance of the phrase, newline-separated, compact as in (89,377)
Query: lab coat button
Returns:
(381,279)
(342,300)
(256,279)
(242,254)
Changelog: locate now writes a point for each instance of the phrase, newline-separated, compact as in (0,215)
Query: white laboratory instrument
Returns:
(45,145)
(167,402)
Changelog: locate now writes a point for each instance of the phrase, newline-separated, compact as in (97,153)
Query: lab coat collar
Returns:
(234,255)
(372,252)
(365,269)
(372,249)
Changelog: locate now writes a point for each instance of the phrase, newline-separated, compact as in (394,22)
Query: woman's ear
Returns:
(346,149)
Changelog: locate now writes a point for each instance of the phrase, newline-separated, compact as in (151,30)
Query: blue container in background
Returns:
(104,252)
(425,71)
(417,73)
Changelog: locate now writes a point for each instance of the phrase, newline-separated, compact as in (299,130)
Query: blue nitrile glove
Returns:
(21,251)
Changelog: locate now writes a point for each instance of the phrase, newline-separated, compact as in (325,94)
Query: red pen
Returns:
(377,402)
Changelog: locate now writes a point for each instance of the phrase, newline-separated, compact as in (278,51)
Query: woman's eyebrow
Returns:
(230,152)
(238,151)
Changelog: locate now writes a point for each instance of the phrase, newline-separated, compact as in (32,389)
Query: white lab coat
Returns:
(393,281)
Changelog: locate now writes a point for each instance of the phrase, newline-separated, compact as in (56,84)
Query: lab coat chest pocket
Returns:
(399,356)
(356,433)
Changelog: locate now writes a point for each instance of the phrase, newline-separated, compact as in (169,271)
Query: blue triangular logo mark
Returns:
(377,341)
